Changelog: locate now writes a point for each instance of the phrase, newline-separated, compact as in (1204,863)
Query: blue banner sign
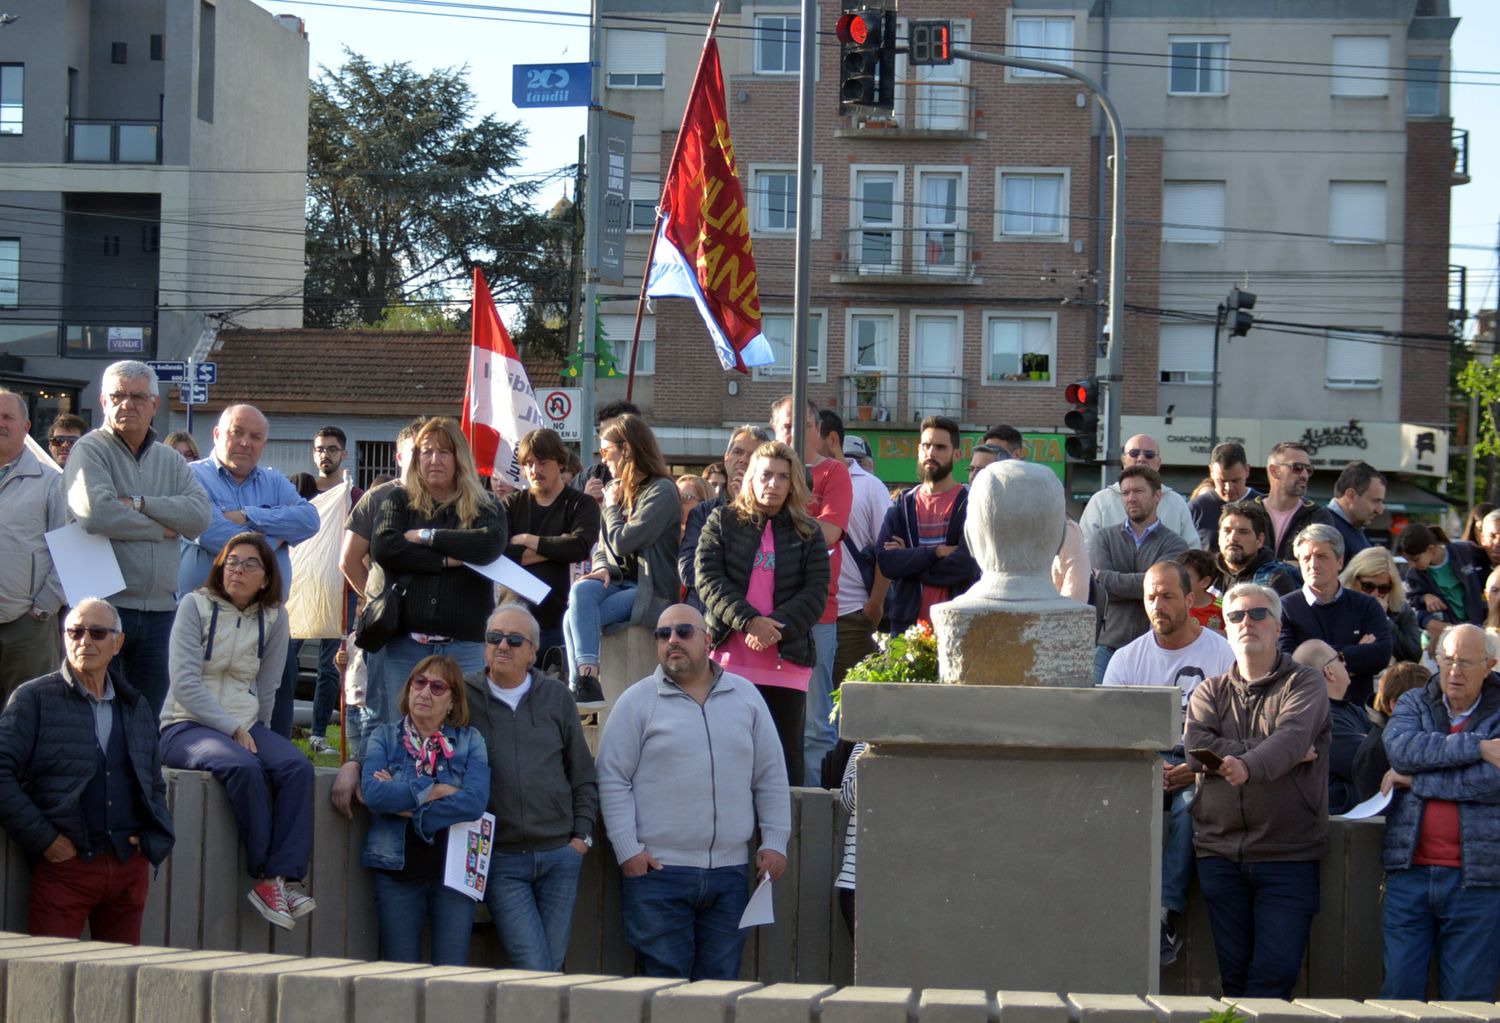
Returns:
(550,85)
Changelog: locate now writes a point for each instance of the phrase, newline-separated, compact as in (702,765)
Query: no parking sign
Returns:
(560,407)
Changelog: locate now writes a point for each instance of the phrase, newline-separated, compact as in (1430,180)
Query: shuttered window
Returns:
(1356,212)
(1361,65)
(1192,212)
(1185,353)
(618,329)
(636,60)
(1353,360)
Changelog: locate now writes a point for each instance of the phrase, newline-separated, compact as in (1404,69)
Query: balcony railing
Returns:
(936,255)
(904,399)
(1460,156)
(91,140)
(923,108)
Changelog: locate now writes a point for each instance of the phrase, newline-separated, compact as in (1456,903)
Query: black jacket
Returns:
(452,602)
(1306,514)
(911,567)
(1470,567)
(577,515)
(726,555)
(1263,569)
(47,759)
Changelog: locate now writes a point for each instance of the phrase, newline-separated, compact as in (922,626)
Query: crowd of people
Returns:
(1304,656)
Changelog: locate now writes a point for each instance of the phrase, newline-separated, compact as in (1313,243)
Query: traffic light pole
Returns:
(1213,400)
(1110,363)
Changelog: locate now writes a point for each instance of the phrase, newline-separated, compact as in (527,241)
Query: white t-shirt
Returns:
(511,696)
(1142,662)
(866,514)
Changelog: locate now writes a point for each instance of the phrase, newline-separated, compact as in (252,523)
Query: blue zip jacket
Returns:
(911,567)
(1445,766)
(468,770)
(1471,565)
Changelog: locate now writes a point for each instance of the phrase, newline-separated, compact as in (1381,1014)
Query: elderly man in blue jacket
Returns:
(1442,831)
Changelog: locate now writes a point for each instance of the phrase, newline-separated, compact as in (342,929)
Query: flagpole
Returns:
(640,305)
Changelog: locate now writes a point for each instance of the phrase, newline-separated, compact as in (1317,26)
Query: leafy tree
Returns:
(407,192)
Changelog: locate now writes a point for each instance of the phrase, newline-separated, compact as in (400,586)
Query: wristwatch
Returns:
(426,535)
(585,839)
(138,502)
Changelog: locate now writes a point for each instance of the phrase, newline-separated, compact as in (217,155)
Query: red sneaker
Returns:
(269,899)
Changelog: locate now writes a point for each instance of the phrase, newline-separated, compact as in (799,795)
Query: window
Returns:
(1356,212)
(10,272)
(208,16)
(375,458)
(1192,212)
(1049,39)
(875,240)
(937,363)
(1353,360)
(940,239)
(1361,65)
(775,200)
(12,98)
(777,326)
(778,44)
(1424,86)
(1033,204)
(1185,353)
(871,343)
(1019,349)
(1199,67)
(636,60)
(644,195)
(619,328)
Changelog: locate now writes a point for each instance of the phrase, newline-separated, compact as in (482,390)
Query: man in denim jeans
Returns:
(689,766)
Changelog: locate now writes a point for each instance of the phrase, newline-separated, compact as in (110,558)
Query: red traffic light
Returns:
(860,28)
(1081,393)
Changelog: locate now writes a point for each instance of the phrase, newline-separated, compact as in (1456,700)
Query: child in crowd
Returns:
(1203,603)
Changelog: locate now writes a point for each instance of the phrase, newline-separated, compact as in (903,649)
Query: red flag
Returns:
(499,404)
(703,246)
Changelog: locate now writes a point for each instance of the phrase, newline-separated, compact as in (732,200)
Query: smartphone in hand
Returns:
(1207,757)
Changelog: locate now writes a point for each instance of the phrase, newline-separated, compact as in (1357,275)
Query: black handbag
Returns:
(380,619)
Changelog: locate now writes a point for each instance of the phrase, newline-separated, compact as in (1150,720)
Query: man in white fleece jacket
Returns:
(689,765)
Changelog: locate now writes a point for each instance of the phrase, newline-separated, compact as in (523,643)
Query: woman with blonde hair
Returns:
(692,490)
(1373,572)
(761,571)
(634,577)
(438,519)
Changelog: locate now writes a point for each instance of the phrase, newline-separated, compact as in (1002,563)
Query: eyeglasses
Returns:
(97,633)
(435,686)
(1338,658)
(320,450)
(62,442)
(1384,589)
(1463,664)
(129,398)
(243,565)
(1300,468)
(1147,453)
(1257,614)
(511,639)
(684,630)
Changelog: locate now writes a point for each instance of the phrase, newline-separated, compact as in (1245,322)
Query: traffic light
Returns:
(867,36)
(930,43)
(1083,420)
(1237,312)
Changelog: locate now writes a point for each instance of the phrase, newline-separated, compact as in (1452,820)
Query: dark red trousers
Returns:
(108,895)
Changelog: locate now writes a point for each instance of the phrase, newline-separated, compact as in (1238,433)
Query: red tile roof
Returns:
(358,372)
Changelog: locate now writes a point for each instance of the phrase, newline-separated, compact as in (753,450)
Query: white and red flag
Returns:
(499,404)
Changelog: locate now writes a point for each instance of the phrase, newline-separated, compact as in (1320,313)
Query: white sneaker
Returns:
(298,902)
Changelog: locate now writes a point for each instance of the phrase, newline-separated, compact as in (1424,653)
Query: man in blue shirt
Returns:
(1358,499)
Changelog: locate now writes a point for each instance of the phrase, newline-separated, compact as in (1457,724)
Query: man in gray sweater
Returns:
(1121,555)
(689,765)
(121,483)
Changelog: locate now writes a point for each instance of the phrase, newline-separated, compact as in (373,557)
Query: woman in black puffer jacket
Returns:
(762,574)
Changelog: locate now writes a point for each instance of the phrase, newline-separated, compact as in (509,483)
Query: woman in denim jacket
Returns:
(420,775)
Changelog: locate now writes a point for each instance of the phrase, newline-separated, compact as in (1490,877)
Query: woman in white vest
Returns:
(227,655)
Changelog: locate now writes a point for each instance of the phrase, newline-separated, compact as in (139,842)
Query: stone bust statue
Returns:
(1016,519)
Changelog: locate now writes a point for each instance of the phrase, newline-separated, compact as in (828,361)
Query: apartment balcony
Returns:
(901,399)
(925,110)
(924,255)
(1461,156)
(92,140)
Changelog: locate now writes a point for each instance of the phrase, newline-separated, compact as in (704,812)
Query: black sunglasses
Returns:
(97,633)
(1257,614)
(514,639)
(1384,590)
(684,630)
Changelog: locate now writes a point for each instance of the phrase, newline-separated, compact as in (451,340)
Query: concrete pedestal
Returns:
(1009,837)
(1035,643)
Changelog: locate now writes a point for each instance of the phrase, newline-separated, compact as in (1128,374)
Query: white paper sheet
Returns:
(85,563)
(467,869)
(512,576)
(758,910)
(1372,807)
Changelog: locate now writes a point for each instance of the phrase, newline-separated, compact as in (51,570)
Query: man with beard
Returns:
(1122,554)
(1178,651)
(921,546)
(1287,506)
(742,444)
(1243,554)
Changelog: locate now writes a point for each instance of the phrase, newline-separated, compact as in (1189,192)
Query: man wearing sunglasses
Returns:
(1106,508)
(64,432)
(31,504)
(1260,822)
(1350,724)
(689,766)
(1289,469)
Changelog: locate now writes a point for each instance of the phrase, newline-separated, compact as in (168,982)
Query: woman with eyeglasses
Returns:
(634,577)
(1373,572)
(421,775)
(225,661)
(1370,762)
(762,573)
(440,518)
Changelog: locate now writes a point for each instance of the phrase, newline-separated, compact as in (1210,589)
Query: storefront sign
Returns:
(1391,447)
(895,453)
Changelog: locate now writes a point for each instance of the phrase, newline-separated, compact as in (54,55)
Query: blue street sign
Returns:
(550,85)
(169,372)
(193,394)
(206,372)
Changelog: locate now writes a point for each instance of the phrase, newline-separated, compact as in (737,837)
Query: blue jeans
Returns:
(591,607)
(1426,909)
(530,897)
(685,921)
(1177,854)
(402,654)
(286,694)
(143,659)
(326,691)
(1261,915)
(818,733)
(402,906)
(1102,654)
